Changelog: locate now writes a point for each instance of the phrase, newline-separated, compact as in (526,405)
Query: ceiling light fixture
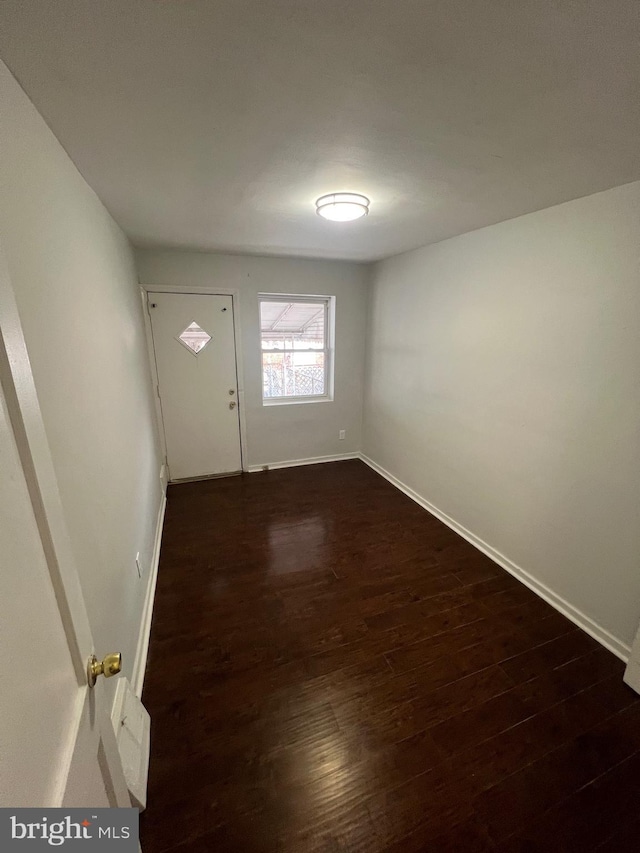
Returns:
(342,207)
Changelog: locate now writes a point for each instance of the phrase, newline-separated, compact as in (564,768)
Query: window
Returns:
(296,353)
(194,338)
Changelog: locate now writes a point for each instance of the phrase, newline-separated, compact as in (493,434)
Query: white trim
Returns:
(618,647)
(142,649)
(131,725)
(154,375)
(632,672)
(197,291)
(312,460)
(267,402)
(329,303)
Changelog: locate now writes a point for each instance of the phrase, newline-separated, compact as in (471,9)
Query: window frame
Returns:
(329,323)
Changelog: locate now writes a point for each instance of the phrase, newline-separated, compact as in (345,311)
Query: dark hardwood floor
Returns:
(333,669)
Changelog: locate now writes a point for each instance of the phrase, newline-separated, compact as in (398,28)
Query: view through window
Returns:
(295,353)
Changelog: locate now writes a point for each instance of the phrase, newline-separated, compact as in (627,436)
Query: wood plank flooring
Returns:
(333,669)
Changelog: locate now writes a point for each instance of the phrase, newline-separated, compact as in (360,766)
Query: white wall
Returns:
(73,274)
(503,387)
(300,431)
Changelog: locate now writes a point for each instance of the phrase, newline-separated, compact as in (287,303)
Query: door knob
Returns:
(231,392)
(232,404)
(108,666)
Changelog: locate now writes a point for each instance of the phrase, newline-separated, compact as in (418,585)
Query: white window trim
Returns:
(329,324)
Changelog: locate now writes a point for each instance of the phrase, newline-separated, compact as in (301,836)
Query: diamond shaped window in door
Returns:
(194,338)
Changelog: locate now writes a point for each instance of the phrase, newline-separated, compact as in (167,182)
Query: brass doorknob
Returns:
(108,666)
(232,404)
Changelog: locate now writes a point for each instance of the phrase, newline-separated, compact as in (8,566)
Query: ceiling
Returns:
(215,124)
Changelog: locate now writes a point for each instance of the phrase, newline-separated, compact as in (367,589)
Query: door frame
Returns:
(27,424)
(145,290)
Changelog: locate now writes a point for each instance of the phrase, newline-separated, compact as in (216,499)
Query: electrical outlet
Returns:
(138,567)
(342,434)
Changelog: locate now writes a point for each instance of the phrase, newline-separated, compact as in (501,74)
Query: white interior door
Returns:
(57,745)
(193,339)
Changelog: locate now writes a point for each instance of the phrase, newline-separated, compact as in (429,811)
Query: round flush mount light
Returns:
(342,207)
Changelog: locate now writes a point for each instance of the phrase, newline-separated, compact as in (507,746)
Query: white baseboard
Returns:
(132,728)
(142,650)
(632,672)
(312,460)
(619,648)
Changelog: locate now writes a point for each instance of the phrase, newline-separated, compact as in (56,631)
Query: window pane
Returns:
(195,338)
(292,374)
(292,325)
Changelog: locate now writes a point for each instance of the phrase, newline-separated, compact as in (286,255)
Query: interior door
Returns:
(57,745)
(193,339)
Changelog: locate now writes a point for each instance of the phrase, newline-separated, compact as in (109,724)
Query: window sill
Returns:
(295,401)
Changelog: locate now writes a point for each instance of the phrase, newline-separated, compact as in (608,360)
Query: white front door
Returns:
(193,340)
(57,745)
